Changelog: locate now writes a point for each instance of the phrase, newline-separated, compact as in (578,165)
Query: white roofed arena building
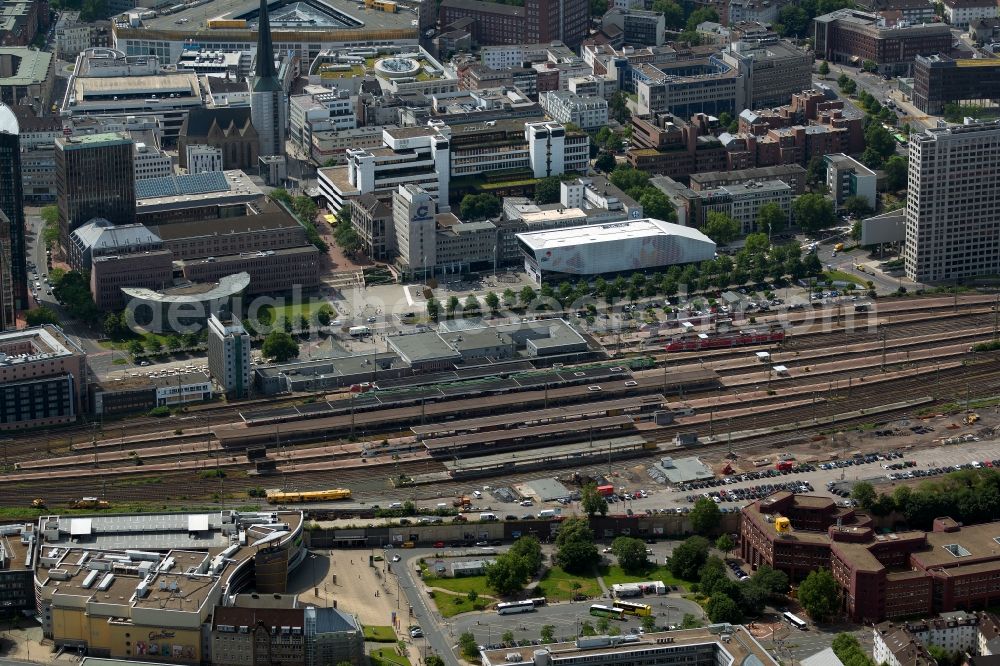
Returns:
(644,244)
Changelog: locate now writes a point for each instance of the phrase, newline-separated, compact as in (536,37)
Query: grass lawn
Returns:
(462,585)
(293,310)
(614,575)
(558,585)
(380,634)
(388,656)
(841,276)
(450,605)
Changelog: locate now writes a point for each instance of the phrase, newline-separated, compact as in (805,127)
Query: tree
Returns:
(506,575)
(869,65)
(471,304)
(816,170)
(586,628)
(824,68)
(547,633)
(618,108)
(592,501)
(631,554)
(871,158)
(688,558)
(479,206)
(771,219)
(649,624)
(690,621)
(174,342)
(280,346)
(598,7)
(721,228)
(819,595)
(880,139)
(721,608)
(527,295)
(507,637)
(492,301)
(699,16)
(705,516)
(433,308)
(857,206)
(772,581)
(712,575)
(73,289)
(793,21)
(547,190)
(813,212)
(42,315)
(672,12)
(895,173)
(724,543)
(433,660)
(657,205)
(509,297)
(135,348)
(576,551)
(605,162)
(467,644)
(153,345)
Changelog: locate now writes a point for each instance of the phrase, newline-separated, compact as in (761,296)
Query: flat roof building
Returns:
(28,75)
(952,229)
(95,179)
(633,245)
(720,644)
(43,378)
(939,80)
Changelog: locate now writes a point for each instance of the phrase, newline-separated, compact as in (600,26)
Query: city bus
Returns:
(511,607)
(607,611)
(538,601)
(631,608)
(794,620)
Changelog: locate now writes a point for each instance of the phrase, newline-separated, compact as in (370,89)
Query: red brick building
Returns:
(664,144)
(881,576)
(538,21)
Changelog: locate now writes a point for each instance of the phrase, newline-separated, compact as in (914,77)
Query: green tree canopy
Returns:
(721,228)
(688,558)
(605,162)
(280,346)
(813,212)
(631,554)
(547,190)
(672,12)
(774,582)
(857,206)
(895,173)
(819,595)
(721,608)
(724,543)
(479,206)
(771,219)
(42,315)
(592,501)
(576,551)
(705,516)
(656,204)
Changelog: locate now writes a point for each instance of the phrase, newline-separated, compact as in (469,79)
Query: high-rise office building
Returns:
(95,177)
(12,258)
(268,107)
(952,221)
(8,307)
(229,355)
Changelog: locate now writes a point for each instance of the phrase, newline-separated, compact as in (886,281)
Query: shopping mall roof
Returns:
(603,233)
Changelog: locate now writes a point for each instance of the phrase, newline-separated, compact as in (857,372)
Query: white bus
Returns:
(511,607)
(794,620)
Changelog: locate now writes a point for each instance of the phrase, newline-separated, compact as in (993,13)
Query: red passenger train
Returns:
(700,341)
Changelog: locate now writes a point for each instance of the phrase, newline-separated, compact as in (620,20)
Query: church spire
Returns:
(265,78)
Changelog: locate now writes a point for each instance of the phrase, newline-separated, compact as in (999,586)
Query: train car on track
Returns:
(309,496)
(701,341)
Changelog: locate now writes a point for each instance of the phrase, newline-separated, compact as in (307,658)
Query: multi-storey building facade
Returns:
(567,107)
(772,70)
(202,158)
(95,178)
(538,21)
(740,201)
(43,378)
(952,230)
(848,34)
(960,13)
(229,355)
(637,25)
(13,268)
(793,174)
(846,177)
(663,143)
(939,80)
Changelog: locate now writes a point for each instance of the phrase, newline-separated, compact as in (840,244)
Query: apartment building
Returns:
(952,230)
(588,113)
(687,86)
(846,177)
(149,160)
(740,201)
(960,13)
(202,158)
(663,143)
(38,155)
(229,355)
(71,35)
(372,219)
(793,174)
